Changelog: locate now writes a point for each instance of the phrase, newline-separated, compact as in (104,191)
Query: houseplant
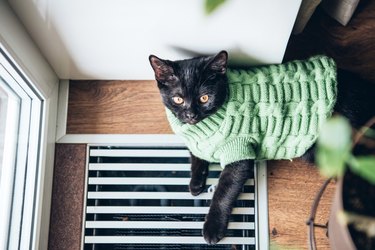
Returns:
(352,162)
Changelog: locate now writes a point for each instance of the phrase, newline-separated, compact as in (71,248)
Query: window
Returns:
(21,116)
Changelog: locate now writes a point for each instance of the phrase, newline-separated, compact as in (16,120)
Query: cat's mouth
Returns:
(192,122)
(190,118)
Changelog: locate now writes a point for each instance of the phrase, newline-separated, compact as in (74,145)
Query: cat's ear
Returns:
(218,63)
(163,71)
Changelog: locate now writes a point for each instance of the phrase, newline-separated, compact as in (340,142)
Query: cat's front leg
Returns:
(227,191)
(199,173)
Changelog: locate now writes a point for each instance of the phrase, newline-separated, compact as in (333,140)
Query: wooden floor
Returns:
(134,107)
(115,107)
(292,186)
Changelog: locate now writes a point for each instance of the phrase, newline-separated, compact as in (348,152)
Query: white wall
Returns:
(112,39)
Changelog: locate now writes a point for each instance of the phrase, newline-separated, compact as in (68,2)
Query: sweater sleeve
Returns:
(236,150)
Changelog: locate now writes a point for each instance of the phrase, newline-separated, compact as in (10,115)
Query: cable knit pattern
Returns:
(272,112)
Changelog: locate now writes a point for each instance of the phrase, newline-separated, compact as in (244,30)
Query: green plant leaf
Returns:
(336,134)
(211,5)
(364,166)
(334,145)
(331,162)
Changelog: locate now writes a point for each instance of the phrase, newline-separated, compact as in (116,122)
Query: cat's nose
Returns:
(191,115)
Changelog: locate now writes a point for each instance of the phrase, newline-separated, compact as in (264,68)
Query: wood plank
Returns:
(292,187)
(116,107)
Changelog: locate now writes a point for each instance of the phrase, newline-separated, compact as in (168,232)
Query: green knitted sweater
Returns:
(272,112)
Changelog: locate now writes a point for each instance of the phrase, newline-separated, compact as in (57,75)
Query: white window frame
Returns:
(22,174)
(27,66)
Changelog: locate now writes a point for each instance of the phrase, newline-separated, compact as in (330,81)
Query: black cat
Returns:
(196,88)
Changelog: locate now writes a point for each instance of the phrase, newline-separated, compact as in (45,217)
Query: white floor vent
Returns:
(138,198)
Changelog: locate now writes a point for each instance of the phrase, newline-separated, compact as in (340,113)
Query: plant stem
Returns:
(363,131)
(311,220)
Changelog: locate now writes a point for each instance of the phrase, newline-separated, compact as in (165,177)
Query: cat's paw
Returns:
(197,186)
(213,231)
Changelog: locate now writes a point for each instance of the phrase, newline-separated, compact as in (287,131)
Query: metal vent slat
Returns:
(144,167)
(165,240)
(139,167)
(138,198)
(149,181)
(139,153)
(162,224)
(160,210)
(158,195)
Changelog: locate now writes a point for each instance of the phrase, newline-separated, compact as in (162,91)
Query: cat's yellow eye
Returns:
(178,100)
(203,99)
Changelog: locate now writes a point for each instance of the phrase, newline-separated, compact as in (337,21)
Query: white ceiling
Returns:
(112,39)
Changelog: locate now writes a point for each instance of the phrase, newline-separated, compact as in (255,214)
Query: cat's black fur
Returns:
(192,78)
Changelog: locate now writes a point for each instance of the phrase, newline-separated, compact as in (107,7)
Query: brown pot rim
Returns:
(339,236)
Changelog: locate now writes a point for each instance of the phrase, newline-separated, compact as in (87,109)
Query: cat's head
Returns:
(193,88)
